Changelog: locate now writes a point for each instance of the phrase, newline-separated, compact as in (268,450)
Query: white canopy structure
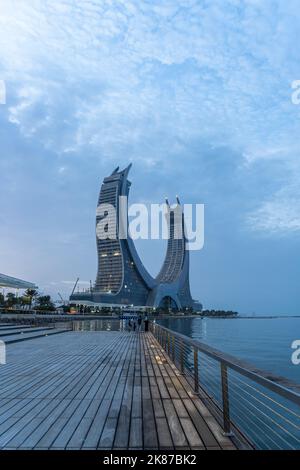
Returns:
(8,281)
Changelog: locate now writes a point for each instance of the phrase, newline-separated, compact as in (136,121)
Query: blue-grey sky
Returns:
(197,94)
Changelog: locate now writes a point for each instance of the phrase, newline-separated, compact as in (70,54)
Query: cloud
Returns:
(140,81)
(279,214)
(87,283)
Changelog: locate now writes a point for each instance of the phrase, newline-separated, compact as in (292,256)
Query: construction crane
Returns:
(61,298)
(75,285)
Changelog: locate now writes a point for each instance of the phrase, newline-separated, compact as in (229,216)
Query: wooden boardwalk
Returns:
(100,390)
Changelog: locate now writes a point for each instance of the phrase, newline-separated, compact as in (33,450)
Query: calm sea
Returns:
(266,343)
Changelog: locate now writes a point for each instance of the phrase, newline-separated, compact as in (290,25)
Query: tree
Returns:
(44,302)
(2,299)
(30,294)
(11,300)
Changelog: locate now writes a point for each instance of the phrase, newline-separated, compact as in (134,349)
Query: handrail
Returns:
(244,368)
(226,393)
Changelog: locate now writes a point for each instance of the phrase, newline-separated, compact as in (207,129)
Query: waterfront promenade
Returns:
(100,390)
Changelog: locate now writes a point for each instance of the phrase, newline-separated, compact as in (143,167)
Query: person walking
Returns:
(139,322)
(146,321)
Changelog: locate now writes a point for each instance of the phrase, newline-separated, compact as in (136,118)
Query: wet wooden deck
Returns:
(100,390)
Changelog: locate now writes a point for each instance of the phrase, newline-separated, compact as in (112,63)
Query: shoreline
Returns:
(52,317)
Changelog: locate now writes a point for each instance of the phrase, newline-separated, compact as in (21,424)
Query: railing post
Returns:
(168,343)
(225,400)
(173,348)
(196,370)
(182,356)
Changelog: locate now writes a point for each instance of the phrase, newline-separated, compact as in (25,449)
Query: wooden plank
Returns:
(192,436)
(223,441)
(44,426)
(170,387)
(24,422)
(208,429)
(159,411)
(100,390)
(162,388)
(149,428)
(201,425)
(66,414)
(70,419)
(163,432)
(123,422)
(198,421)
(78,438)
(180,408)
(176,430)
(136,433)
(108,434)
(19,438)
(136,410)
(164,435)
(11,411)
(94,435)
(8,424)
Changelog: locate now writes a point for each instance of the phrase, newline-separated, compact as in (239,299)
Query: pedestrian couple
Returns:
(133,325)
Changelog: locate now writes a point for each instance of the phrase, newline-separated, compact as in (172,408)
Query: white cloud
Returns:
(266,153)
(143,79)
(87,283)
(62,170)
(279,214)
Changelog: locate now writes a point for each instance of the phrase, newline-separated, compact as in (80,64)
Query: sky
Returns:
(197,95)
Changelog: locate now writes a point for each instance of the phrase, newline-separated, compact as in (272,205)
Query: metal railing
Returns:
(104,324)
(254,407)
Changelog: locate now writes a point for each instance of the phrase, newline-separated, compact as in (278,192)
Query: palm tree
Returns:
(31,294)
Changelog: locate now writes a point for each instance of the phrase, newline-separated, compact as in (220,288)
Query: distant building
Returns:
(197,306)
(122,280)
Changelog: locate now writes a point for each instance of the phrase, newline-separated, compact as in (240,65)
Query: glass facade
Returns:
(121,277)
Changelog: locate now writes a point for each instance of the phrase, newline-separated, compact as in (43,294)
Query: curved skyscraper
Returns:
(122,279)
